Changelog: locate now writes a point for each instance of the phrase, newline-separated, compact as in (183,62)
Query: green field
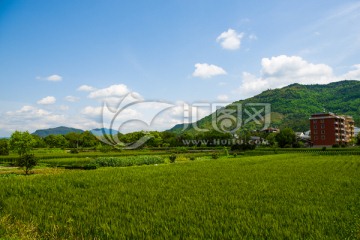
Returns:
(283,196)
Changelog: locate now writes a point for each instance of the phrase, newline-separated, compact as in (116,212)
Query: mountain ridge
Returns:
(292,105)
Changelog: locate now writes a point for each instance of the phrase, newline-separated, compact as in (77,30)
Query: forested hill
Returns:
(292,106)
(56,131)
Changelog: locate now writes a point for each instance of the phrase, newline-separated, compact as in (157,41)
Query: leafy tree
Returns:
(271,138)
(4,147)
(54,141)
(40,143)
(22,142)
(73,139)
(286,137)
(87,139)
(27,161)
(358,139)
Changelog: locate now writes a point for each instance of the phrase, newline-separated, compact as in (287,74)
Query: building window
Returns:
(322,120)
(322,131)
(323,137)
(315,127)
(315,132)
(322,125)
(314,121)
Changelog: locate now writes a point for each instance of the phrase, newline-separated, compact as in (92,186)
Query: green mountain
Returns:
(56,131)
(292,106)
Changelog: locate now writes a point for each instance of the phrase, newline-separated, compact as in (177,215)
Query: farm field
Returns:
(281,196)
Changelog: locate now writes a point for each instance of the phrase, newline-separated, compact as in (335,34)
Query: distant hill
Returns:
(292,106)
(56,131)
(103,131)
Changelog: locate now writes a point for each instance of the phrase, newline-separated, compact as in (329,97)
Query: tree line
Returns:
(86,140)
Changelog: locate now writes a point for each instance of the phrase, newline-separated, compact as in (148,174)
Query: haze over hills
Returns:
(65,130)
(56,131)
(291,106)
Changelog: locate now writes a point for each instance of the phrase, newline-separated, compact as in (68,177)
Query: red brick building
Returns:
(328,129)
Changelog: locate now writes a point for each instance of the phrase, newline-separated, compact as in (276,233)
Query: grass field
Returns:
(283,196)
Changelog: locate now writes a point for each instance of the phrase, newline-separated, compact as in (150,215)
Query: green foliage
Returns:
(172,158)
(292,106)
(104,148)
(289,196)
(358,139)
(22,142)
(271,139)
(226,151)
(243,147)
(4,147)
(286,138)
(56,141)
(74,151)
(323,149)
(214,155)
(27,161)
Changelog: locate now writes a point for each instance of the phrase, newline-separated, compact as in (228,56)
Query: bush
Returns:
(172,158)
(192,158)
(336,145)
(74,151)
(215,155)
(243,147)
(4,147)
(27,161)
(323,149)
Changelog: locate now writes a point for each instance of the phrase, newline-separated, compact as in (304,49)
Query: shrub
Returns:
(215,155)
(27,161)
(192,158)
(74,151)
(4,147)
(323,149)
(172,158)
(336,145)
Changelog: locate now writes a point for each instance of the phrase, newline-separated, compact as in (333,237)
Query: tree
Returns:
(40,143)
(358,139)
(27,161)
(286,138)
(74,139)
(4,147)
(271,138)
(58,141)
(88,139)
(22,142)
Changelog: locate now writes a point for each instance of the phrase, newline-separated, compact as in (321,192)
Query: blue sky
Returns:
(60,59)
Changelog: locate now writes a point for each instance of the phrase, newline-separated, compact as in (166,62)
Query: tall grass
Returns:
(287,196)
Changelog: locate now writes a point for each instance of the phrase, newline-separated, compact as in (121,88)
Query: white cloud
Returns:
(47,100)
(223,97)
(230,40)
(54,78)
(30,118)
(51,78)
(204,70)
(86,88)
(112,91)
(284,70)
(353,74)
(72,99)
